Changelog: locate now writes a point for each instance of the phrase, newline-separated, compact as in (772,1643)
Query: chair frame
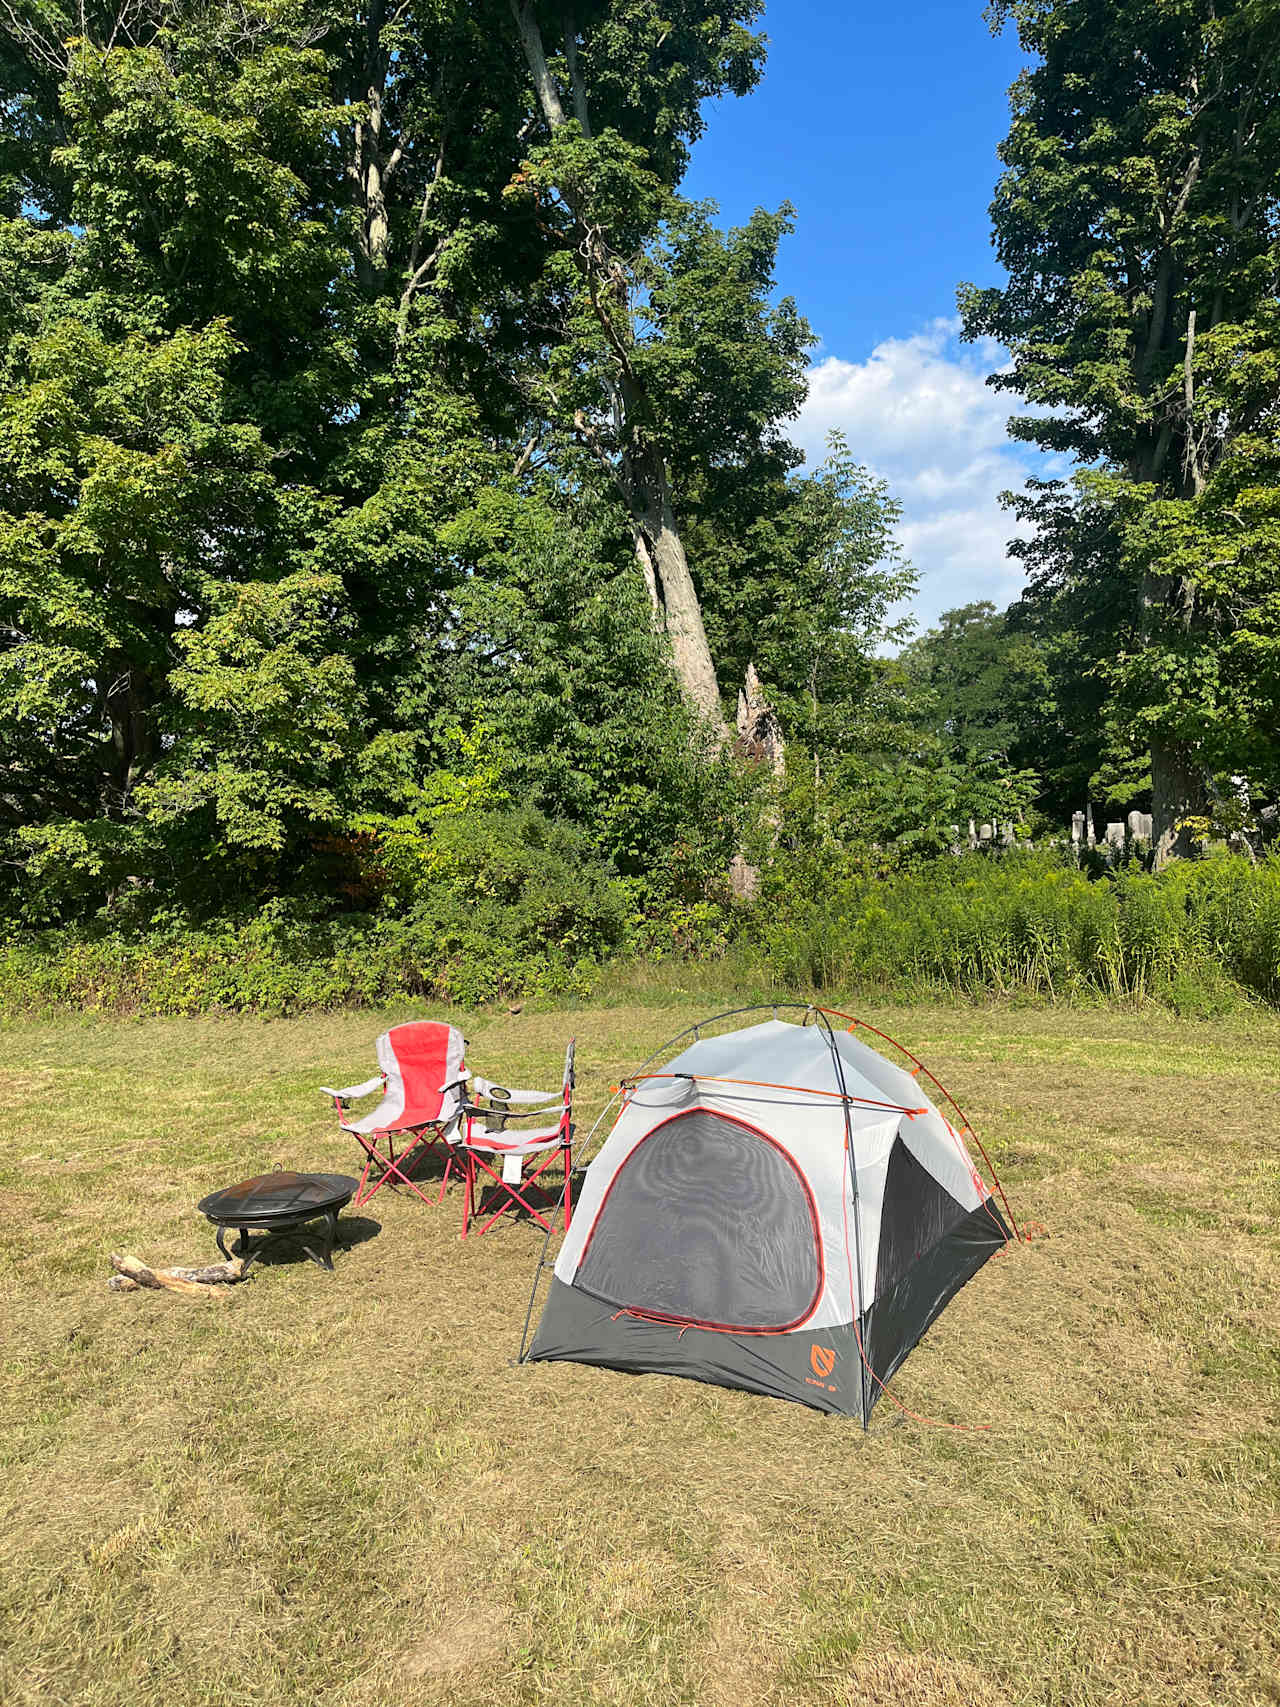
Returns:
(422,1140)
(510,1194)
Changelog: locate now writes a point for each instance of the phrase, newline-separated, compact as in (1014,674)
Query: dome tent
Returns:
(778,1208)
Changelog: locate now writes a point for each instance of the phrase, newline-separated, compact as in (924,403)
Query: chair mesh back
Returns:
(707,1221)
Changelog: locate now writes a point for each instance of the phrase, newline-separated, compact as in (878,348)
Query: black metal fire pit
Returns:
(276,1204)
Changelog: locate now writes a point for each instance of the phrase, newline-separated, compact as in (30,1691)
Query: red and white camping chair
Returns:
(505,1167)
(422,1079)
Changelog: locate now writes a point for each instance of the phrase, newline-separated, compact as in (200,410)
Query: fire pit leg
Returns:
(242,1248)
(325,1259)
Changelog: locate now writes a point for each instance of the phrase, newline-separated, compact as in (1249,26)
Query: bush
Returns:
(1029,923)
(511,903)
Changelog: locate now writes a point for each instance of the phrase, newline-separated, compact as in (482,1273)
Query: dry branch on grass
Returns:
(133,1275)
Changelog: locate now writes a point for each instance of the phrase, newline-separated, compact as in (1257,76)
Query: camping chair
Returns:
(496,1160)
(421,1079)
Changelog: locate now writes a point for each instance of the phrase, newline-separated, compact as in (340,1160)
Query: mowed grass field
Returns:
(339,1488)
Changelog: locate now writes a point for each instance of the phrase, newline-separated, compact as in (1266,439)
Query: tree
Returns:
(618,112)
(1136,219)
(362,375)
(985,691)
(1080,611)
(970,665)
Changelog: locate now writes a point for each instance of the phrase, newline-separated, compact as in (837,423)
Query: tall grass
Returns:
(1031,924)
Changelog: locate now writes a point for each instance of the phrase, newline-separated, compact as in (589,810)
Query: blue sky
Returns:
(880,126)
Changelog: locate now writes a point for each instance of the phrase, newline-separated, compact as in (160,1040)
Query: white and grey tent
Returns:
(778,1208)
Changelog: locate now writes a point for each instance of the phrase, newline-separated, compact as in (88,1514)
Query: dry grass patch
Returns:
(340,1489)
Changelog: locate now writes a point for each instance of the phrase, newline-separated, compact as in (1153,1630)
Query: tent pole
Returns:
(838,1064)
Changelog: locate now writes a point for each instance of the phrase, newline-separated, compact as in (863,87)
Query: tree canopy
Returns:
(364,375)
(387,444)
(1137,219)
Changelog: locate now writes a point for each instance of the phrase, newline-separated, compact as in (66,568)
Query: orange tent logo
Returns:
(822,1359)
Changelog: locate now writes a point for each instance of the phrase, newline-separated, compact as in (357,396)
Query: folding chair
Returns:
(496,1161)
(422,1078)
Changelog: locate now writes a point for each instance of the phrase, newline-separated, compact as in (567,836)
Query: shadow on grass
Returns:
(288,1248)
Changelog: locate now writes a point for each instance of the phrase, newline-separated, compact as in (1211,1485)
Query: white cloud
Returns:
(918,413)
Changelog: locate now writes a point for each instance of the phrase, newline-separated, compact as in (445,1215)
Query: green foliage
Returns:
(1137,221)
(507,903)
(800,576)
(380,429)
(293,494)
(1022,923)
(512,904)
(983,689)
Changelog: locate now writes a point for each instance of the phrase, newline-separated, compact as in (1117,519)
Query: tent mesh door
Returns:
(708,1221)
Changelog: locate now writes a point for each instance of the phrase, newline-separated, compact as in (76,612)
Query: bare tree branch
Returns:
(526,455)
(421,270)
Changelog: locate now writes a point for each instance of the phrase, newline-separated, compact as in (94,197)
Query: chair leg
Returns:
(392,1167)
(362,1196)
(510,1197)
(468,1188)
(455,1166)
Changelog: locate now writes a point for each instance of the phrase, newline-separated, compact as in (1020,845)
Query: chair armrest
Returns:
(479,1118)
(487,1087)
(353,1093)
(475,1118)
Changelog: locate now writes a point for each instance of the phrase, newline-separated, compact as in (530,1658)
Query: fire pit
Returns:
(276,1204)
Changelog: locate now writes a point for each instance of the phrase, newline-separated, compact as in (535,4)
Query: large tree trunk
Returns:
(129,703)
(646,490)
(1178,792)
(681,612)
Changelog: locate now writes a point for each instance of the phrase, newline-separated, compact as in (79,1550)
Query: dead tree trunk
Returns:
(760,742)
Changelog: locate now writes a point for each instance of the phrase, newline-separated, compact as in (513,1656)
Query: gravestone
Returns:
(1140,826)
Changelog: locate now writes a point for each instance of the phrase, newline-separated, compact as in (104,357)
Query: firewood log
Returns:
(160,1278)
(215,1274)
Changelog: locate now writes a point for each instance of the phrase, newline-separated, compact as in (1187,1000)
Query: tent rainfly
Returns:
(781,1209)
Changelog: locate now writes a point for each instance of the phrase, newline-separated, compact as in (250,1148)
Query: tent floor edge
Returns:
(819,1367)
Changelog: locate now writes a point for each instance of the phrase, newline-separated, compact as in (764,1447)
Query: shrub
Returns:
(1032,923)
(512,902)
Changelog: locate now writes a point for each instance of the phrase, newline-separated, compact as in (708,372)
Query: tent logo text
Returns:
(822,1360)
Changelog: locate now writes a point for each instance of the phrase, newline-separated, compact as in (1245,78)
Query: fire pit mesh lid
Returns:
(278,1194)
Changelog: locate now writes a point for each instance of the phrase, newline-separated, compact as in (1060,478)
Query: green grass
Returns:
(340,1489)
